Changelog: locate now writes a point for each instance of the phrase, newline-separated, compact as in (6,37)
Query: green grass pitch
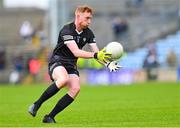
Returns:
(146,104)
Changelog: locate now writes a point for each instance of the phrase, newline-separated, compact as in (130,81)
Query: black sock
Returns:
(61,104)
(49,92)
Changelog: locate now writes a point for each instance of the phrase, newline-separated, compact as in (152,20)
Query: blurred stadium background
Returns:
(146,28)
(149,31)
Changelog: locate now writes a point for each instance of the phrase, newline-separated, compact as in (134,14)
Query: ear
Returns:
(78,15)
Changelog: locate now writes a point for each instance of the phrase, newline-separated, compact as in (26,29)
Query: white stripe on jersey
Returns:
(92,43)
(67,37)
(69,41)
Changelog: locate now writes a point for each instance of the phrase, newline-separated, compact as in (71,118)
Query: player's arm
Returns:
(66,35)
(100,55)
(78,52)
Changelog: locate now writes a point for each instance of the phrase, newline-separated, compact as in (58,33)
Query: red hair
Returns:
(84,8)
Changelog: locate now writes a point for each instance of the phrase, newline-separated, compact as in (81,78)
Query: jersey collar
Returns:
(79,32)
(76,29)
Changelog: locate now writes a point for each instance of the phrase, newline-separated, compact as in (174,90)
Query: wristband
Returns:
(95,55)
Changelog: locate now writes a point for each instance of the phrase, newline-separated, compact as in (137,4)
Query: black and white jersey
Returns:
(68,33)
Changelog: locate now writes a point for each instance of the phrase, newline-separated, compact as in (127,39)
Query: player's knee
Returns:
(61,82)
(75,90)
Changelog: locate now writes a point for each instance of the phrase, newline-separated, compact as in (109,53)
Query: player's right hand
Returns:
(113,66)
(103,56)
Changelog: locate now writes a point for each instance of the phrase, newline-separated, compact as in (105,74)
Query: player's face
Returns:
(85,19)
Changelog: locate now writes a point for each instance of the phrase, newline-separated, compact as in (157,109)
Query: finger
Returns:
(107,57)
(119,66)
(105,61)
(117,69)
(104,49)
(108,54)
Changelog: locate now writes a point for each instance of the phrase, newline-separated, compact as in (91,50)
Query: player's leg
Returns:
(60,75)
(74,88)
(73,85)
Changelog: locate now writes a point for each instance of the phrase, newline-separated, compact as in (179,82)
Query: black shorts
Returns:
(70,68)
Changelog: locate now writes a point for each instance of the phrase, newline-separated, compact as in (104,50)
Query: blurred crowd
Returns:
(29,34)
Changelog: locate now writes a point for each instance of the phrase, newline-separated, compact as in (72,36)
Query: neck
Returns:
(78,28)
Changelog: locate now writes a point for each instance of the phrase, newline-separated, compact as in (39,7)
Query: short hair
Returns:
(83,9)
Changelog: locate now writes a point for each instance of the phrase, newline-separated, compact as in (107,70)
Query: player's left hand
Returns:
(103,56)
(113,66)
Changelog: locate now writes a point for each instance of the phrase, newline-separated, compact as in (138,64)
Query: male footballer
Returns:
(62,65)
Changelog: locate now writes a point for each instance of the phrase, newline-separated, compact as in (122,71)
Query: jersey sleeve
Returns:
(66,34)
(92,38)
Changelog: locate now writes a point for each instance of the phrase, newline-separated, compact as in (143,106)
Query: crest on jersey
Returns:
(84,39)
